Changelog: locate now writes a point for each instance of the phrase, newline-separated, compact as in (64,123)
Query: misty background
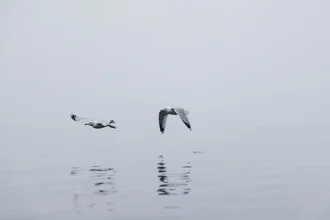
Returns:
(253,74)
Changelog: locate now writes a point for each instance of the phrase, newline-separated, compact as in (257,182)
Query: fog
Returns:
(237,66)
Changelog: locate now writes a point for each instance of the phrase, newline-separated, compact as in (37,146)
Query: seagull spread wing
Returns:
(84,120)
(162,120)
(183,115)
(80,119)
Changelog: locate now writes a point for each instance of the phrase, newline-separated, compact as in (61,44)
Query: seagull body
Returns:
(98,125)
(162,118)
(93,123)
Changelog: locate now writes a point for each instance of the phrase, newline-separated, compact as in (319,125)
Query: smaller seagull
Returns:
(172,111)
(93,123)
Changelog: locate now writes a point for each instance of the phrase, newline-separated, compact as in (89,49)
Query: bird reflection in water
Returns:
(173,183)
(92,188)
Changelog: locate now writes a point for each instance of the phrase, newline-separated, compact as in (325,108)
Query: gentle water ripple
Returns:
(173,183)
(89,184)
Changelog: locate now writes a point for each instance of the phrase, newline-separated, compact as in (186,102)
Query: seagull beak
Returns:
(86,123)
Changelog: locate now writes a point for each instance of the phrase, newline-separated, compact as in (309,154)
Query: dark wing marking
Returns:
(73,116)
(162,118)
(182,114)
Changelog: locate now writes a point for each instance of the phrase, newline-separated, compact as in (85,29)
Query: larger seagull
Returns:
(172,111)
(97,124)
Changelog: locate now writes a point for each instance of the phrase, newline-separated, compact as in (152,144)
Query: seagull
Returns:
(172,111)
(93,123)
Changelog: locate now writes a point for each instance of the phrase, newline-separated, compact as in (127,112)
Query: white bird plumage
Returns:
(163,114)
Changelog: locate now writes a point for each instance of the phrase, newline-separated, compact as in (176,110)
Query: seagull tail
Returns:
(111,124)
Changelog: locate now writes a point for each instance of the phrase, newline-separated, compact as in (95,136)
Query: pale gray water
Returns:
(260,173)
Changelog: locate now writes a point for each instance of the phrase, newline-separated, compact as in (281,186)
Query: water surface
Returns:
(266,173)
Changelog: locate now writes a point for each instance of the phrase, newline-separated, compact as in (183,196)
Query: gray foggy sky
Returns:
(230,63)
